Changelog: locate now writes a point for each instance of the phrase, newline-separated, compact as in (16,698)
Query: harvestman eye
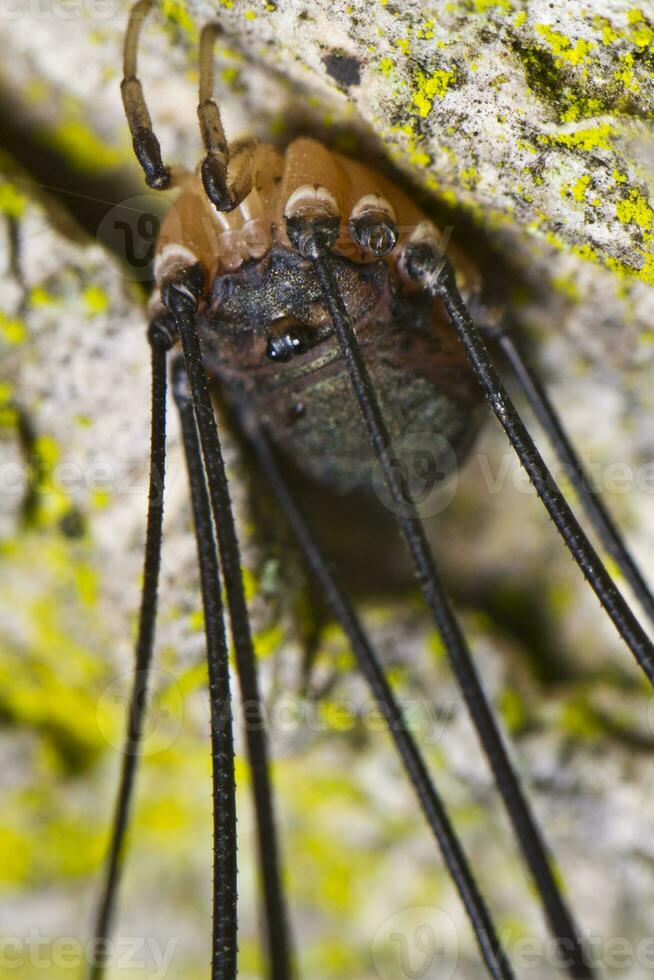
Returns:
(256,256)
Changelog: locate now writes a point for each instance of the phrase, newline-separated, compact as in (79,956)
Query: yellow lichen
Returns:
(635,209)
(579,188)
(12,330)
(469,177)
(626,74)
(40,297)
(563,48)
(95,300)
(430,87)
(426,32)
(176,11)
(513,710)
(567,286)
(482,5)
(588,139)
(83,147)
(12,202)
(642,34)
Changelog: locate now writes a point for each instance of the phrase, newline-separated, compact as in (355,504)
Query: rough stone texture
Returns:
(528,125)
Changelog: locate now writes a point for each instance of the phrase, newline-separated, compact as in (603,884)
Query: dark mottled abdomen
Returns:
(416,363)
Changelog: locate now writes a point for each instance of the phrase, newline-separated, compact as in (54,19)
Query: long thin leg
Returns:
(591,500)
(160,341)
(434,270)
(224,194)
(224,946)
(145,143)
(434,811)
(528,834)
(181,297)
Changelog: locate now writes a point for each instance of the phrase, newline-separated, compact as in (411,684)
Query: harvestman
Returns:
(321,299)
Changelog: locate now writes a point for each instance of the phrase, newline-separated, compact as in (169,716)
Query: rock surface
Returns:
(528,127)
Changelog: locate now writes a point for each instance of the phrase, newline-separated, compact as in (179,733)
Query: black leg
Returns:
(181,297)
(426,265)
(527,832)
(591,500)
(434,811)
(160,341)
(224,946)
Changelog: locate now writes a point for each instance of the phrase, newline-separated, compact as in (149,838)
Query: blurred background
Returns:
(368,895)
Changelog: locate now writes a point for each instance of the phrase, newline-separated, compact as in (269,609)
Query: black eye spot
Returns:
(285,345)
(343,68)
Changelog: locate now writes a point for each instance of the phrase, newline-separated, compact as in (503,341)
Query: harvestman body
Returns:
(317,294)
(265,327)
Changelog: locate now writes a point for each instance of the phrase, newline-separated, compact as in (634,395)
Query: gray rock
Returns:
(532,135)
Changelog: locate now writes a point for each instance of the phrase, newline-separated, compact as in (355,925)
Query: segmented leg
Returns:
(224,946)
(368,661)
(424,263)
(591,500)
(181,297)
(224,193)
(145,143)
(160,342)
(315,241)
